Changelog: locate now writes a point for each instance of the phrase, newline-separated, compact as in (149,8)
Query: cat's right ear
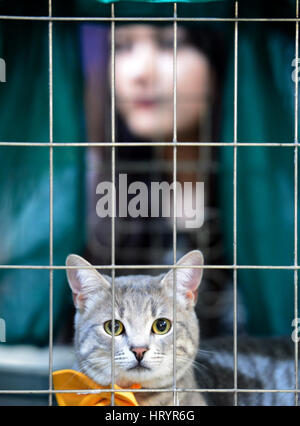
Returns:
(188,278)
(82,280)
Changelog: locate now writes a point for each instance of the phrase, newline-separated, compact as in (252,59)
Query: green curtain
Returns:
(24,172)
(265,191)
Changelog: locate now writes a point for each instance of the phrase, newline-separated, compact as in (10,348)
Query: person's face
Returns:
(144,81)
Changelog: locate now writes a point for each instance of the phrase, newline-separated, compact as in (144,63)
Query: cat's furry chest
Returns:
(167,398)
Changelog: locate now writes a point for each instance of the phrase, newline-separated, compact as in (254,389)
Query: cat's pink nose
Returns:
(139,352)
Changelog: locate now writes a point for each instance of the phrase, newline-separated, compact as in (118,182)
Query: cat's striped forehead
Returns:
(141,295)
(138,283)
(141,305)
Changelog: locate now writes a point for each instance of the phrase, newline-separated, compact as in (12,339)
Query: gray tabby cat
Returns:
(144,340)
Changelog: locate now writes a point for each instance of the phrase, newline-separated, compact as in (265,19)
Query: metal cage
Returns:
(175,144)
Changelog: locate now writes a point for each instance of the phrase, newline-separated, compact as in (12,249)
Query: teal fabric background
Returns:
(265,190)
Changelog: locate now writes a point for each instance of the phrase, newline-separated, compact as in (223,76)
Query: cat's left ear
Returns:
(188,278)
(84,280)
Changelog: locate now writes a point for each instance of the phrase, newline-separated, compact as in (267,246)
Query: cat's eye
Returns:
(119,327)
(161,326)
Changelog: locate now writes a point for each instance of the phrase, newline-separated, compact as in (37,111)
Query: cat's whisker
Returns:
(203,351)
(193,363)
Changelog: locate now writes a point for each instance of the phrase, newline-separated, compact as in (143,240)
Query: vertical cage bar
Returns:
(175,398)
(50,52)
(113,164)
(235,138)
(296,196)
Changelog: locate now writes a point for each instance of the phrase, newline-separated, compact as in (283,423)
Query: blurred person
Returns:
(144,89)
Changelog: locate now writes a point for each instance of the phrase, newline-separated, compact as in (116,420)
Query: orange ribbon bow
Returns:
(72,379)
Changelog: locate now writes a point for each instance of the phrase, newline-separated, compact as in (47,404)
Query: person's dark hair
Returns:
(210,42)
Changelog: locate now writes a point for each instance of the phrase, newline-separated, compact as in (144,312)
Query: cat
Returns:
(144,340)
